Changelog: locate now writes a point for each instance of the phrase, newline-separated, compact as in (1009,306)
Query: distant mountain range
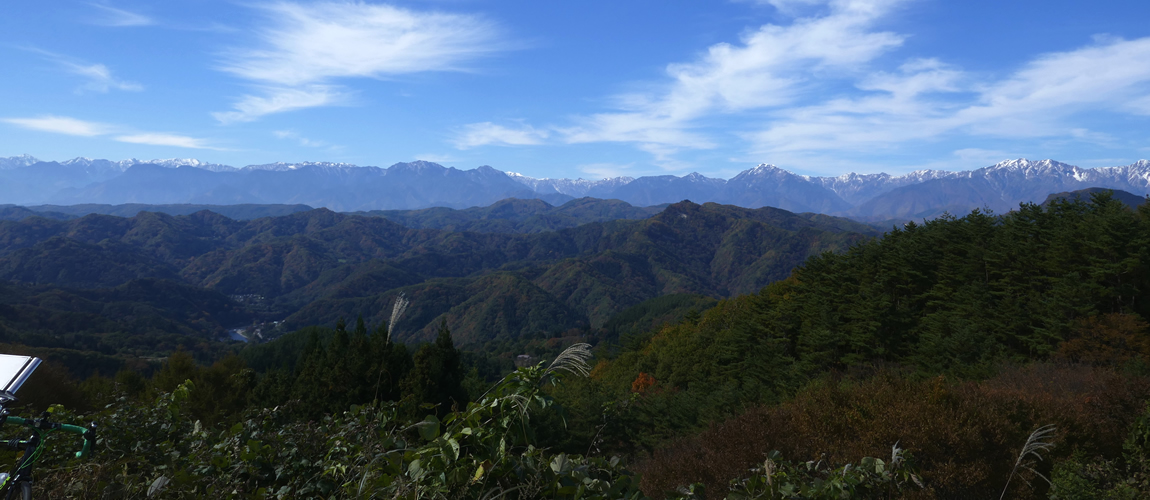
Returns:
(24,180)
(58,212)
(510,215)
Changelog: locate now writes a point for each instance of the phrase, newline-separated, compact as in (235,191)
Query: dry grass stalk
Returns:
(397,310)
(1038,441)
(573,359)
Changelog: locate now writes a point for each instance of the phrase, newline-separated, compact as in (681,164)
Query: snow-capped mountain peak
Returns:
(17,161)
(1022,164)
(764,171)
(1001,186)
(123,165)
(577,188)
(280,166)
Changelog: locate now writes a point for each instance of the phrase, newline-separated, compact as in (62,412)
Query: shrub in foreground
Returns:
(370,451)
(965,436)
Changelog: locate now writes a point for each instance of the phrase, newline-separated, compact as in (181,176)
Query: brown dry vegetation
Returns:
(964,436)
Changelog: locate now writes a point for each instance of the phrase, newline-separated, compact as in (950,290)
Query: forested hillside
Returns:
(952,297)
(936,352)
(314,267)
(514,215)
(511,215)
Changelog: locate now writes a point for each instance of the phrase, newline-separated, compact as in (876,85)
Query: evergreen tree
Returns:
(436,376)
(358,362)
(309,387)
(389,366)
(337,377)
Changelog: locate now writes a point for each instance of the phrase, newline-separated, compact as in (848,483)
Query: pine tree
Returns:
(358,362)
(309,384)
(436,376)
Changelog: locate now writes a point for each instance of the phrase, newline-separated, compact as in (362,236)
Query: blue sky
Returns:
(581,89)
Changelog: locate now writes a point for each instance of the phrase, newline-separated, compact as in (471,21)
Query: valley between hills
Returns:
(596,250)
(496,277)
(682,331)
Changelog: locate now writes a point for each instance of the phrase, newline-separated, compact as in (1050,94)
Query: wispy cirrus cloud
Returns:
(292,135)
(481,134)
(282,99)
(154,139)
(825,87)
(61,125)
(74,126)
(606,170)
(113,17)
(305,48)
(99,76)
(926,101)
(769,67)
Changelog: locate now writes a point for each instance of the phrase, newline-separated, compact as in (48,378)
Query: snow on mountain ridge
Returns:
(1003,184)
(280,166)
(571,187)
(697,177)
(17,161)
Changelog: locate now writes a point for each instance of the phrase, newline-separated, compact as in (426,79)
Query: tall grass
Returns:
(1039,440)
(397,309)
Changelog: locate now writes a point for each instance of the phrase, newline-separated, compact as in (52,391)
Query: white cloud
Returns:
(278,100)
(605,170)
(791,6)
(155,139)
(61,125)
(72,126)
(770,67)
(120,18)
(898,107)
(927,100)
(1108,75)
(312,43)
(294,136)
(481,134)
(822,88)
(100,78)
(639,127)
(442,159)
(307,46)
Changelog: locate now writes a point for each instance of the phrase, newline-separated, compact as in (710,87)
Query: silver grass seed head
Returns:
(1038,441)
(573,359)
(397,309)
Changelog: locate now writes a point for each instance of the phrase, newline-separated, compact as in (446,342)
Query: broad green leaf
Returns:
(454,447)
(415,469)
(429,428)
(561,464)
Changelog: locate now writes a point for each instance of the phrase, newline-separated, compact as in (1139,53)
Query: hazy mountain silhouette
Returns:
(421,184)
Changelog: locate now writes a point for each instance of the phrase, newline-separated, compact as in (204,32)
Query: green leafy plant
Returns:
(486,450)
(779,479)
